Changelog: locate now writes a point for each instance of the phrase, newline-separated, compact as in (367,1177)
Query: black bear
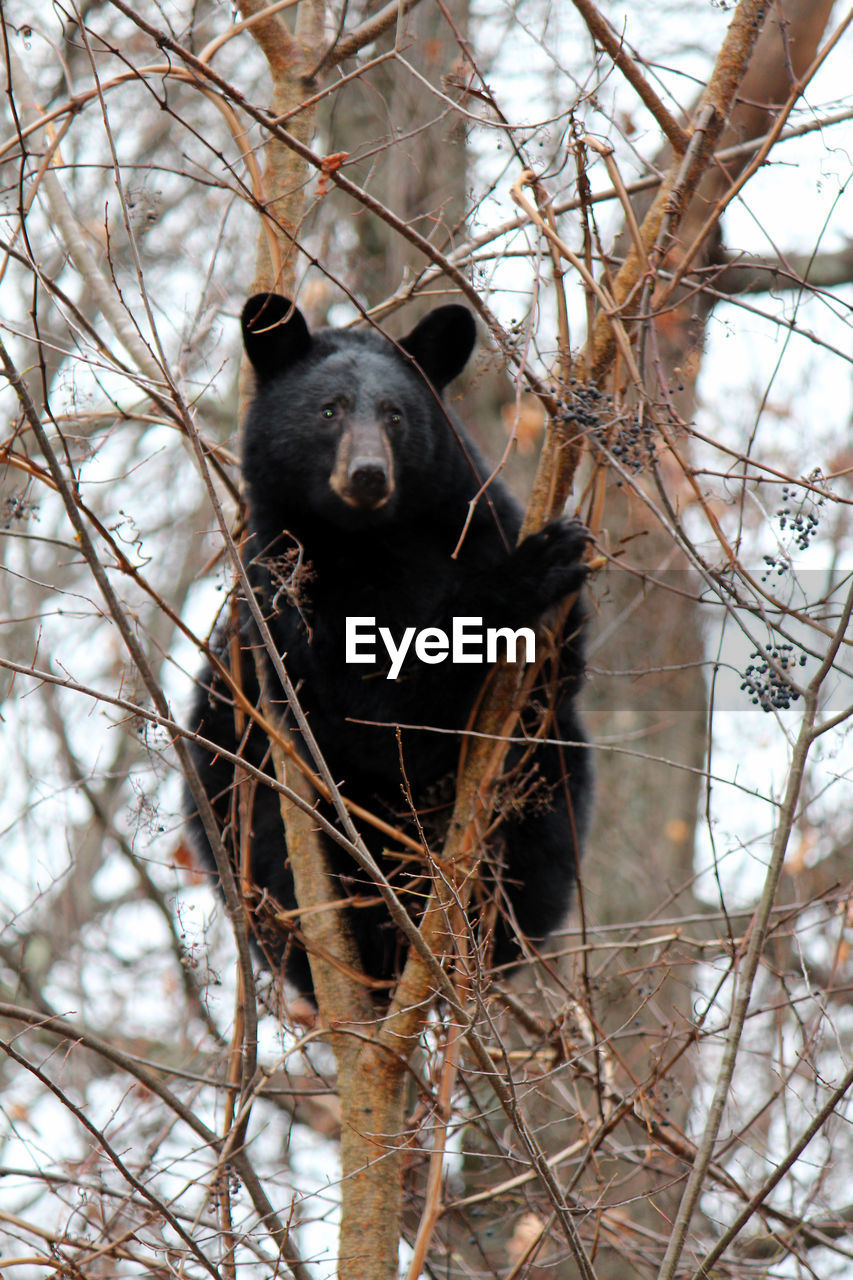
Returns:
(373,522)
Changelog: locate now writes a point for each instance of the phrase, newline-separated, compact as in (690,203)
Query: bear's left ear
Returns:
(274,333)
(442,343)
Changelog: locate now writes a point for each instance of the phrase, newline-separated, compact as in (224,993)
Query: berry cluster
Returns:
(17,507)
(630,441)
(802,523)
(766,680)
(634,446)
(585,405)
(514,334)
(779,563)
(798,517)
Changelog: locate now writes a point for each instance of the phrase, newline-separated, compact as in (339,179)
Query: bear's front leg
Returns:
(540,573)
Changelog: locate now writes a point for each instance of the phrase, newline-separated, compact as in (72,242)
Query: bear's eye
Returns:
(328,411)
(395,417)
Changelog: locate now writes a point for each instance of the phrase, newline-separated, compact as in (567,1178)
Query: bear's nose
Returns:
(368,482)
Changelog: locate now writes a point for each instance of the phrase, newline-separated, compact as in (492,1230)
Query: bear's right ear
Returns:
(274,333)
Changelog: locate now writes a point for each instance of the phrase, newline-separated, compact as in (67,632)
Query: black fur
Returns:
(390,557)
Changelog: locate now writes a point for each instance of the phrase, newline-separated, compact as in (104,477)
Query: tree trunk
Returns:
(371,1084)
(417,161)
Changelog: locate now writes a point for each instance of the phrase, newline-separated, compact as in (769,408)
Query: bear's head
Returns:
(344,423)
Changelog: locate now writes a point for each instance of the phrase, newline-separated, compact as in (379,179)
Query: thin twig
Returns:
(600,31)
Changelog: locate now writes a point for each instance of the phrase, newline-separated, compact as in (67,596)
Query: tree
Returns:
(139,154)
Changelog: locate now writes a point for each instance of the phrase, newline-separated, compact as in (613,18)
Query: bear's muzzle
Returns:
(363,474)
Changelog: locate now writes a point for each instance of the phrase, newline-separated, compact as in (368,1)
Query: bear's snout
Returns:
(363,475)
(368,482)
